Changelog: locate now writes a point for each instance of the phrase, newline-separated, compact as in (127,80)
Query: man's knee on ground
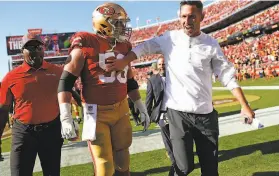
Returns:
(121,160)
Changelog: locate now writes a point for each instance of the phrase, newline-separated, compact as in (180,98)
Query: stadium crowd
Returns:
(258,56)
(213,13)
(222,9)
(263,18)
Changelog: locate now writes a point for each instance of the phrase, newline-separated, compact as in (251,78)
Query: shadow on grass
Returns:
(266,148)
(270,147)
(151,171)
(70,145)
(272,173)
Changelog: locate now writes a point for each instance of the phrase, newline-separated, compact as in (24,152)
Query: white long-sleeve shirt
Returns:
(190,62)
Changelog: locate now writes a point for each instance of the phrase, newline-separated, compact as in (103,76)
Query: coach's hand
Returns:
(69,128)
(145,119)
(115,64)
(120,64)
(248,112)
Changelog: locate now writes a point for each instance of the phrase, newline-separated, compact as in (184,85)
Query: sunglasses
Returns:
(34,48)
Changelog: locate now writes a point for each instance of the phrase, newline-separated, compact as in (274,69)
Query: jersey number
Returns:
(111,76)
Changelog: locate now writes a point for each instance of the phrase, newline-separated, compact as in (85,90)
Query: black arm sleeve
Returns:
(132,84)
(66,82)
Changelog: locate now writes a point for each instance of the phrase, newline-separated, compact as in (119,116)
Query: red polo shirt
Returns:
(0,89)
(34,92)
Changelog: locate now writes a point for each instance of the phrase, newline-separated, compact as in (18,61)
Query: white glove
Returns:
(69,128)
(145,119)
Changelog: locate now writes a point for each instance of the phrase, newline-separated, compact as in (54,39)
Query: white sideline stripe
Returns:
(258,114)
(243,87)
(251,88)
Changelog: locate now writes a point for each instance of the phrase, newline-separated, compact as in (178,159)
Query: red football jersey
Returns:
(101,87)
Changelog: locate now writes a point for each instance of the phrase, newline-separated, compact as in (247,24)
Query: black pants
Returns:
(201,128)
(165,132)
(28,142)
(4,117)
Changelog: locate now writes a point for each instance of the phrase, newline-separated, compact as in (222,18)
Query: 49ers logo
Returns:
(106,10)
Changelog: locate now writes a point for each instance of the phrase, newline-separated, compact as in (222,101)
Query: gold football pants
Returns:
(110,150)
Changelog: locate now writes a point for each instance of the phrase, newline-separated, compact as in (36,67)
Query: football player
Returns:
(107,126)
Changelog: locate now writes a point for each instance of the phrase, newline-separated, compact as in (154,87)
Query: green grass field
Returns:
(258,82)
(253,153)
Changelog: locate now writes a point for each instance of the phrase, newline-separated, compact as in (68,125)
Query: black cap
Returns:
(31,37)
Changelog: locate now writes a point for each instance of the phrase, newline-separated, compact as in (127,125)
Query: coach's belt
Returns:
(38,127)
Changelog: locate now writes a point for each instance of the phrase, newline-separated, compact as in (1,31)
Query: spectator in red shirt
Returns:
(4,116)
(37,128)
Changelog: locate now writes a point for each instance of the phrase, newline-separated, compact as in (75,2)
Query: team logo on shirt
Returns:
(90,108)
(50,74)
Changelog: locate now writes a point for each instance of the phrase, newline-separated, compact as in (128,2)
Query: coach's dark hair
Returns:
(196,3)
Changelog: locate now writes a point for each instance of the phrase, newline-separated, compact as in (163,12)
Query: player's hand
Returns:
(69,128)
(115,64)
(145,119)
(246,111)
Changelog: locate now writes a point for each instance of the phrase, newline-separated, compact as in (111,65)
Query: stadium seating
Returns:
(212,14)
